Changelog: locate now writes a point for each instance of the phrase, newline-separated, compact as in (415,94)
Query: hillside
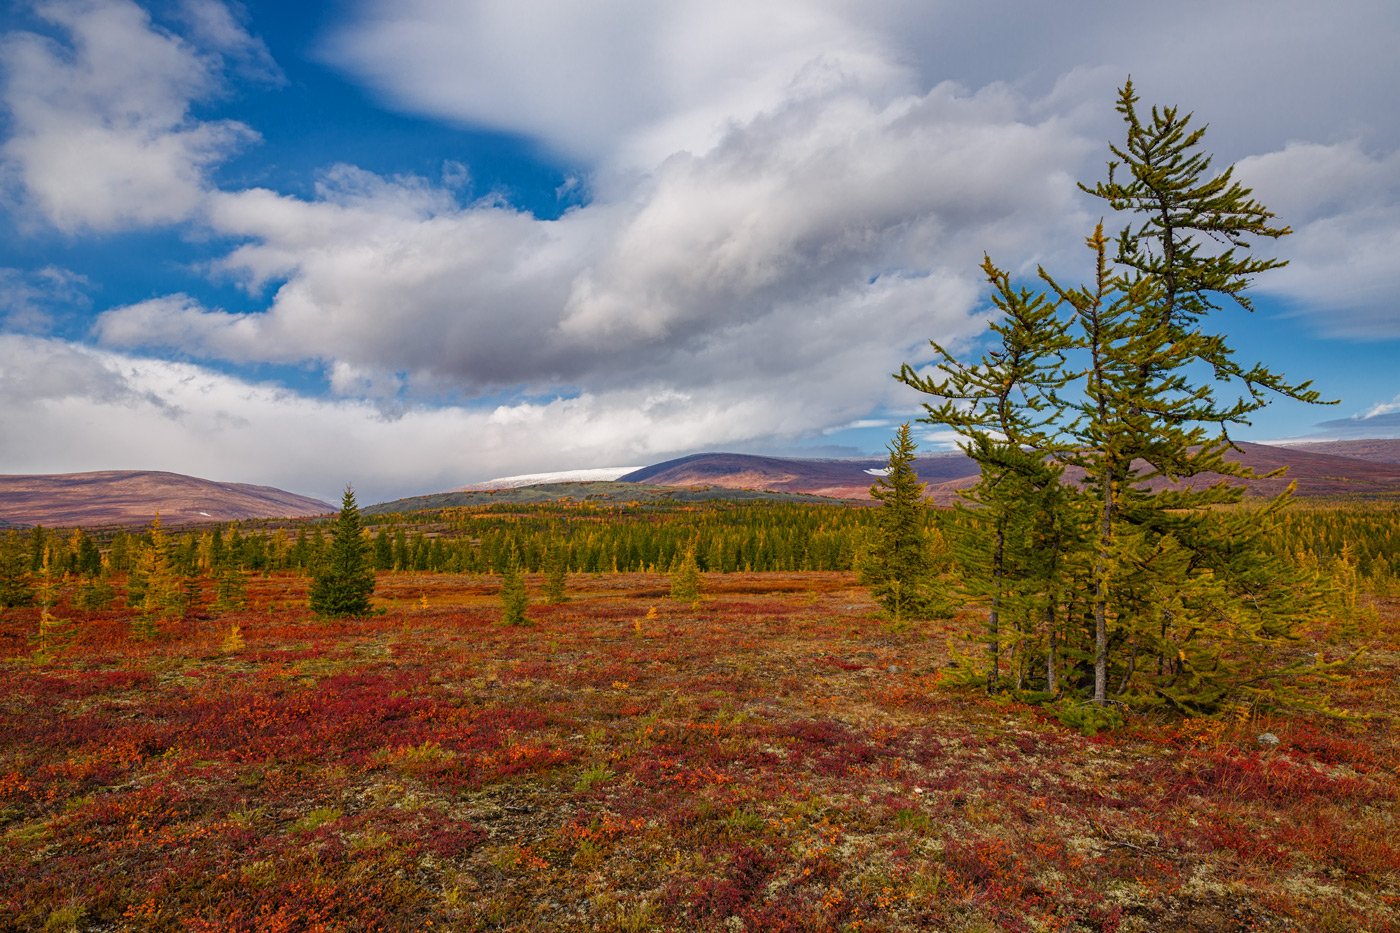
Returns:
(1378,450)
(599,492)
(1320,470)
(843,479)
(131,497)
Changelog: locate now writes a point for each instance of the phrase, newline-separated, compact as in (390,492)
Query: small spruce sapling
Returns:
(515,600)
(556,576)
(685,579)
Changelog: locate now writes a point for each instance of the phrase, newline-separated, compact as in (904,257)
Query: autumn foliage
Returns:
(775,756)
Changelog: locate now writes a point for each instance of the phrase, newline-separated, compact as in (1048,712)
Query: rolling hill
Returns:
(842,479)
(130,497)
(597,492)
(1348,469)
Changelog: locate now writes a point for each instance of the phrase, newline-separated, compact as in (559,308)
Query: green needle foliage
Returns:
(344,580)
(899,568)
(1125,583)
(16,583)
(1005,408)
(514,598)
(685,578)
(556,576)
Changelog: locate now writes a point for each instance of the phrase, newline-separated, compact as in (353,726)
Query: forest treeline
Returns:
(727,538)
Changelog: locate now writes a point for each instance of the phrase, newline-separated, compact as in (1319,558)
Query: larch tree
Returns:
(16,581)
(556,574)
(1140,404)
(685,577)
(1005,408)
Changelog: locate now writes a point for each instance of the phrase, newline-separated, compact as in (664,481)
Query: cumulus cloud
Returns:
(627,80)
(786,200)
(813,249)
(1343,202)
(88,409)
(627,86)
(101,133)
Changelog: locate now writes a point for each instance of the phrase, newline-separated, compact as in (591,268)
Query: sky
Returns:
(411,244)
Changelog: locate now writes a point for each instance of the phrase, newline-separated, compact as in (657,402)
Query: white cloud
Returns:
(86,409)
(214,25)
(1383,408)
(787,200)
(810,252)
(101,134)
(630,80)
(1344,205)
(31,301)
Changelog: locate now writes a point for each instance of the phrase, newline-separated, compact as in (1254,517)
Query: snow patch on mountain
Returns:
(599,475)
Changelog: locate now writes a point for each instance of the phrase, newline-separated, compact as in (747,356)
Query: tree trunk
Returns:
(1101,596)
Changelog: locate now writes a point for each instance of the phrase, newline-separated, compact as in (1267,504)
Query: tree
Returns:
(1125,383)
(898,568)
(344,578)
(515,599)
(1006,409)
(16,583)
(556,575)
(1146,413)
(685,578)
(158,592)
(53,631)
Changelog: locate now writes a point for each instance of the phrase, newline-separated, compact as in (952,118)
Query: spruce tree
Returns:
(898,569)
(344,578)
(515,599)
(556,575)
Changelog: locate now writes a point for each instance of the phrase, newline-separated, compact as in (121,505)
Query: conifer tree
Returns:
(1148,400)
(53,632)
(898,569)
(16,584)
(344,579)
(556,575)
(1006,409)
(230,589)
(162,593)
(685,578)
(515,599)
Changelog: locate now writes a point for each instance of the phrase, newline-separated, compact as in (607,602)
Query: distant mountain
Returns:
(1379,450)
(842,479)
(125,497)
(597,492)
(1315,468)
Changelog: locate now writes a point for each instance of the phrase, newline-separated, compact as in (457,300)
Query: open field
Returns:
(776,758)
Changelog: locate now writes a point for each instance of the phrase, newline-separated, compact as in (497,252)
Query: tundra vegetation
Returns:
(779,753)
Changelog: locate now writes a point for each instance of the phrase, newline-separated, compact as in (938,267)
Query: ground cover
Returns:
(773,758)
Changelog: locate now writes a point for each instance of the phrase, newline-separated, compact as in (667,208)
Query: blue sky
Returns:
(414,245)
